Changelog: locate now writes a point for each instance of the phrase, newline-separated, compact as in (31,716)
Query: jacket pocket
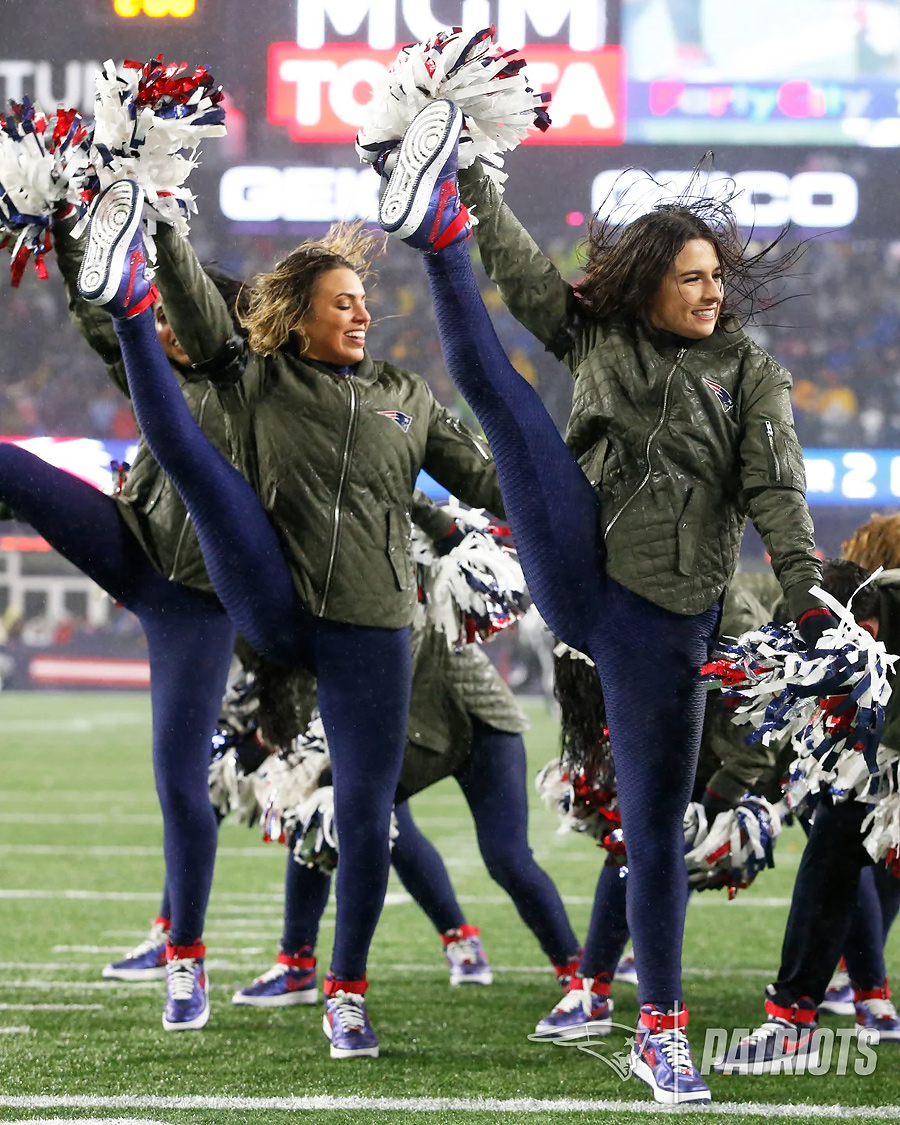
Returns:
(398,551)
(690,529)
(784,461)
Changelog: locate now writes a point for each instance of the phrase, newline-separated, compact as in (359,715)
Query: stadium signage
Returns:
(387,23)
(321,94)
(49,84)
(764,199)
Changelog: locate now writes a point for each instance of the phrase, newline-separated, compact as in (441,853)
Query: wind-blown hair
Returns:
(626,262)
(876,543)
(280,299)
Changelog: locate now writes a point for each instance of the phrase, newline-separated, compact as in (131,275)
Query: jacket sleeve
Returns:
(434,520)
(773,481)
(530,285)
(94,324)
(195,308)
(461,462)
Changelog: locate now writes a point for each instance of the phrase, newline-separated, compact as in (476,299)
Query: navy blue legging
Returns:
(189,643)
(647,657)
(363,673)
(494,783)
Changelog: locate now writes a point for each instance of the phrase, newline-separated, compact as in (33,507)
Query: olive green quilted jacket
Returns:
(333,459)
(148,502)
(681,440)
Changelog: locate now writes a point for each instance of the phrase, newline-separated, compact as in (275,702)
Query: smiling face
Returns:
(174,351)
(337,320)
(689,299)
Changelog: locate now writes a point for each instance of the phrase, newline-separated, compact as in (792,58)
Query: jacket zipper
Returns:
(187,519)
(336,512)
(455,424)
(650,440)
(770,437)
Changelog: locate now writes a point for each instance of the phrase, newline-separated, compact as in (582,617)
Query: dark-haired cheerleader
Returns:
(681,426)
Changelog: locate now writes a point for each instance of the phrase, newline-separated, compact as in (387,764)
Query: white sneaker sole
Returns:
(571,1034)
(109,973)
(426,144)
(837,1008)
(642,1070)
(456,979)
(302,997)
(109,235)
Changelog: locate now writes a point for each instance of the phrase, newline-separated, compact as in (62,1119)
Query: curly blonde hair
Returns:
(875,544)
(280,299)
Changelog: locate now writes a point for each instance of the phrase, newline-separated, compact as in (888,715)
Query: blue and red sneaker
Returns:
(584,1012)
(838,998)
(187,988)
(661,1057)
(112,271)
(876,1016)
(290,981)
(146,961)
(788,1042)
(346,1021)
(466,957)
(421,203)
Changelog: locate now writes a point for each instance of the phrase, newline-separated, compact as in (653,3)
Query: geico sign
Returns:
(258,194)
(321,95)
(389,22)
(820,200)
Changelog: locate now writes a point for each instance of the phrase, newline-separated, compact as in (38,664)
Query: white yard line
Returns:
(326,1102)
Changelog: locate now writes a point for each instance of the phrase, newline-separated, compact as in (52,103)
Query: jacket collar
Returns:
(727,334)
(364,371)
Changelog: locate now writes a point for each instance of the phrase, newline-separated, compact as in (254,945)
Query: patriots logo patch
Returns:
(404,421)
(721,394)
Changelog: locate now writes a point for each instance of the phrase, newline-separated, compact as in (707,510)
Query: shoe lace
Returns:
(350,1009)
(881,1009)
(277,970)
(575,999)
(676,1050)
(154,939)
(463,951)
(180,978)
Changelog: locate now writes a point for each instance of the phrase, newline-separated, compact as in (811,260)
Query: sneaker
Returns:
(626,973)
(187,989)
(566,971)
(421,204)
(112,270)
(146,961)
(291,980)
(584,1011)
(346,1021)
(661,1057)
(787,1042)
(876,1016)
(838,999)
(465,956)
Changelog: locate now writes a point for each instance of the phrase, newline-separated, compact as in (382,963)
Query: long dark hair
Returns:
(626,261)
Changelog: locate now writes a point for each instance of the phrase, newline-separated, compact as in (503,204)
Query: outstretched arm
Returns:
(531,286)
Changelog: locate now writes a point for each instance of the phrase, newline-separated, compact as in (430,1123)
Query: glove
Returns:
(452,539)
(814,623)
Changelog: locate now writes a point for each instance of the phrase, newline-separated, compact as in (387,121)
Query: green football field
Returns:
(80,875)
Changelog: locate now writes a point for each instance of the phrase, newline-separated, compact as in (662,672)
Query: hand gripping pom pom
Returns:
(474,591)
(44,164)
(487,83)
(584,803)
(829,701)
(736,847)
(148,122)
(237,753)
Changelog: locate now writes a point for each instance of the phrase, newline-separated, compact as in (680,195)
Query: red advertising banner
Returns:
(321,95)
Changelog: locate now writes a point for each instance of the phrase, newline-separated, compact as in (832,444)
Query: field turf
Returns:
(80,875)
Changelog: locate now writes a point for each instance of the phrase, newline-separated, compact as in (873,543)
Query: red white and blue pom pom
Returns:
(288,779)
(149,119)
(474,591)
(487,83)
(736,847)
(312,836)
(829,700)
(582,803)
(44,161)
